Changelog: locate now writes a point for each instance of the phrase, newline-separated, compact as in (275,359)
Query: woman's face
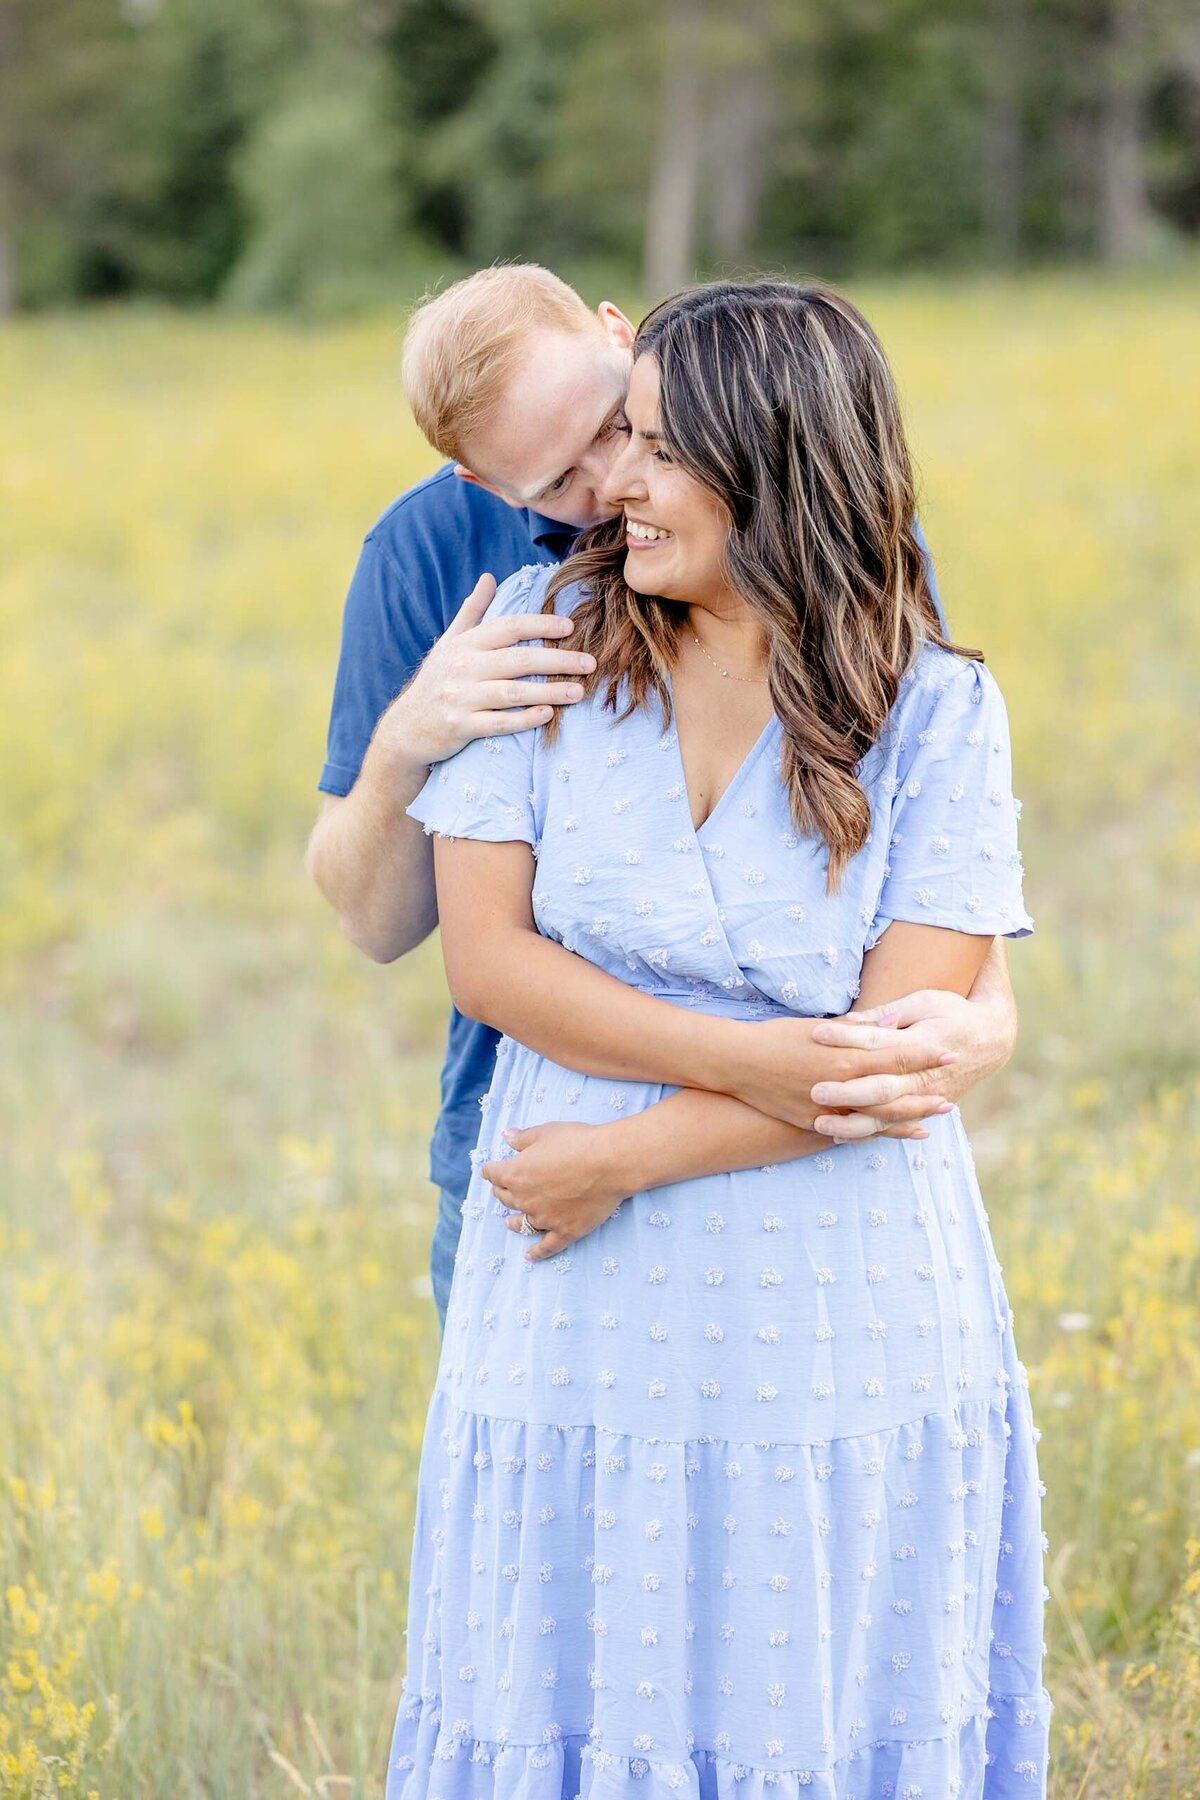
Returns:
(675,529)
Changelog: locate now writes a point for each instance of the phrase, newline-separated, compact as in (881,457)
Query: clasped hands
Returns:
(881,1072)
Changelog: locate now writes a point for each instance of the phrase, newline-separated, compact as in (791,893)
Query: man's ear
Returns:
(620,329)
(465,474)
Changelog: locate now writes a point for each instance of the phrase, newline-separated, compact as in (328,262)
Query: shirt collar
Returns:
(550,534)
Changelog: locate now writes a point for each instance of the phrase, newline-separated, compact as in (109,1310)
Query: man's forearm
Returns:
(374,864)
(993,989)
(693,1133)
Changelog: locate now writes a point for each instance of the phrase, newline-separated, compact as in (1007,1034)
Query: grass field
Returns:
(216,1334)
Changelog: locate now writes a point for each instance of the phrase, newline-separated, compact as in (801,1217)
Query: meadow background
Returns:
(216,1330)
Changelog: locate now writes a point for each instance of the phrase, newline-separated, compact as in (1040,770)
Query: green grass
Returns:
(218,1338)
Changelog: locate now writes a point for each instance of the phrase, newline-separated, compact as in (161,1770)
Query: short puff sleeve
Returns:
(485,790)
(952,856)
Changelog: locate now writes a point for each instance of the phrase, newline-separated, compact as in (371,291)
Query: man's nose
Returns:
(598,464)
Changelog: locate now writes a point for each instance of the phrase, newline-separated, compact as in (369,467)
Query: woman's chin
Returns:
(642,579)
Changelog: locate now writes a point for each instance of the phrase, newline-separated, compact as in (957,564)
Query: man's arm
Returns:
(373,867)
(369,859)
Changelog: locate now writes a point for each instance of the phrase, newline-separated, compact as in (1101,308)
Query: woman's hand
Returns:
(563,1179)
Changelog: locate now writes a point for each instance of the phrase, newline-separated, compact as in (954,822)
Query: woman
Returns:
(739,1490)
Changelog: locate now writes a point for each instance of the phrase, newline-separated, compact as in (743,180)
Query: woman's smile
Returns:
(641,535)
(646,474)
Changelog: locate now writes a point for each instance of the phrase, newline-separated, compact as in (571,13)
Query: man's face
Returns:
(550,444)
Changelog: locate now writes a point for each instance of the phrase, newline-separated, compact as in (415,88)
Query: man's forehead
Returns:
(556,404)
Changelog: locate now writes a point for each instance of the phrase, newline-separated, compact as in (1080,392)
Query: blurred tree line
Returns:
(316,152)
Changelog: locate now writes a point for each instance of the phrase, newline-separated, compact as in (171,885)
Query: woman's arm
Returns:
(568,1179)
(500,968)
(502,971)
(706,1129)
(908,957)
(691,1133)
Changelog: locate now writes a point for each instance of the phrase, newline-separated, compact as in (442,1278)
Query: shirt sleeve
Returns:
(385,637)
(953,858)
(485,790)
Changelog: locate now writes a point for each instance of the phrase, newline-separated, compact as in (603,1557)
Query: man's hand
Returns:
(779,1062)
(561,1178)
(470,685)
(368,857)
(892,1066)
(935,1044)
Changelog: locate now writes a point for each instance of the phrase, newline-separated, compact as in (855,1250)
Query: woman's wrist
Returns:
(719,1048)
(632,1154)
(772,1065)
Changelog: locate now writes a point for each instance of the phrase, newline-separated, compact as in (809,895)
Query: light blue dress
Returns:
(739,1492)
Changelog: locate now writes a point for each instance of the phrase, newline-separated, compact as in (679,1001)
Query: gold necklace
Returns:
(716,665)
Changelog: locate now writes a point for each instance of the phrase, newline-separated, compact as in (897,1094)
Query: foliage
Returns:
(316,181)
(169,148)
(218,1337)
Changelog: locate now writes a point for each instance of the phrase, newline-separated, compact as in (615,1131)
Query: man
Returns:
(519,385)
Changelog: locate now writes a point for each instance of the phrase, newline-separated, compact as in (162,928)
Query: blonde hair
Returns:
(463,345)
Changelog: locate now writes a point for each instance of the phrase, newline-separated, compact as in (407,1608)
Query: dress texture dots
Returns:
(738,1492)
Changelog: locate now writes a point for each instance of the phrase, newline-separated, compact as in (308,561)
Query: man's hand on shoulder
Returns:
(470,685)
(366,855)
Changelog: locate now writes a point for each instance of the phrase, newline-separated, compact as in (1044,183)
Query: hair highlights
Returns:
(778,398)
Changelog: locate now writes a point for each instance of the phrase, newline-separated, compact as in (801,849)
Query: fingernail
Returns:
(822,1092)
(588,663)
(825,1126)
(820,1035)
(947,1056)
(509,1131)
(946,1106)
(573,691)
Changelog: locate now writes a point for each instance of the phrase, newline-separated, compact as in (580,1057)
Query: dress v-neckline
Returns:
(735,779)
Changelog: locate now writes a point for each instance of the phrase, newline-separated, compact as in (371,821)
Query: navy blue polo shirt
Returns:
(418,563)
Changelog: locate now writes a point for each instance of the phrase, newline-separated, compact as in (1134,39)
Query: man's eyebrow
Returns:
(536,493)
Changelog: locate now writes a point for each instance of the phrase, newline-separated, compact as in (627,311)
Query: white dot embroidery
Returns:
(574,1495)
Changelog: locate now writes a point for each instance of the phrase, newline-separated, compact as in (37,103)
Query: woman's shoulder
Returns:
(946,708)
(942,680)
(524,591)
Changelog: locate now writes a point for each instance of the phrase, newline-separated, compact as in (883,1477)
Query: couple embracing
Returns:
(729,1475)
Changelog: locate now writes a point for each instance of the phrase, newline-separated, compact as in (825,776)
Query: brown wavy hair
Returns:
(779,400)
